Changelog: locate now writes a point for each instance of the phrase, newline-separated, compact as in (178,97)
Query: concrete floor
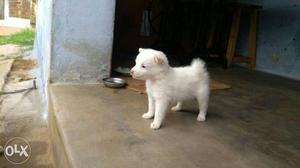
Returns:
(23,115)
(254,124)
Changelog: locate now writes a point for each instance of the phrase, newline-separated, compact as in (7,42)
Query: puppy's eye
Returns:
(143,66)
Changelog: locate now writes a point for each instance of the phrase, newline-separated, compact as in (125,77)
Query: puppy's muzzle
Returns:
(131,72)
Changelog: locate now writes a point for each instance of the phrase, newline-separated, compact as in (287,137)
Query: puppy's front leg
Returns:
(151,108)
(161,107)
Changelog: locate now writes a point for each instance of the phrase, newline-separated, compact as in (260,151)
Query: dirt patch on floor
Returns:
(22,70)
(23,64)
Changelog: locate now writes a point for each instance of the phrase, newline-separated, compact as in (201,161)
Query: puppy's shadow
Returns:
(211,113)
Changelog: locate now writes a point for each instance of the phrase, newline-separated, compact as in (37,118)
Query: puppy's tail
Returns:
(199,70)
(198,66)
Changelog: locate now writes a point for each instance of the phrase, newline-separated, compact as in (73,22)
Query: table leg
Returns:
(252,39)
(233,35)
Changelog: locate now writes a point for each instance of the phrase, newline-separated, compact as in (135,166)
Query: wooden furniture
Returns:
(231,57)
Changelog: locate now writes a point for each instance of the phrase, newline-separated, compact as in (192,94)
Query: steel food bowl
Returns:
(114,82)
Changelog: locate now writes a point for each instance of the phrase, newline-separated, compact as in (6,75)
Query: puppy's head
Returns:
(149,64)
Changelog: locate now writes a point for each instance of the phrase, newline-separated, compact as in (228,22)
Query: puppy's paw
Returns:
(201,118)
(175,108)
(147,115)
(154,125)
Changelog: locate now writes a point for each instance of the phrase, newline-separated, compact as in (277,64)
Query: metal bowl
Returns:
(114,82)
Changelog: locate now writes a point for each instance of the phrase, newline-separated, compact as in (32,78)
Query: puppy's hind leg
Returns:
(203,104)
(178,107)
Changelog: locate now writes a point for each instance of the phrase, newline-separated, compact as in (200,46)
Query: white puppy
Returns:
(166,84)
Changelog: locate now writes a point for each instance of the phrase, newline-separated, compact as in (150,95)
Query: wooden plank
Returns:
(139,85)
(252,39)
(233,35)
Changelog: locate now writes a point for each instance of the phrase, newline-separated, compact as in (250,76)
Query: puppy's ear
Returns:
(158,60)
(140,49)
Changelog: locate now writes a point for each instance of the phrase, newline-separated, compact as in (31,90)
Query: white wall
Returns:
(73,41)
(82,40)
(42,43)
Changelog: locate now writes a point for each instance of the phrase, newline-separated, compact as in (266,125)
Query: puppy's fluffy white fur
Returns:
(166,84)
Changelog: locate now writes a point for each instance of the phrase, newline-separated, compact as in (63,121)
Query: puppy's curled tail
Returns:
(199,67)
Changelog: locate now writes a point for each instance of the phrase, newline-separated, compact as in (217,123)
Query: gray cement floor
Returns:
(23,115)
(254,124)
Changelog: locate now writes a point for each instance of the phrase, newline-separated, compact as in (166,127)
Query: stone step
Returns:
(94,126)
